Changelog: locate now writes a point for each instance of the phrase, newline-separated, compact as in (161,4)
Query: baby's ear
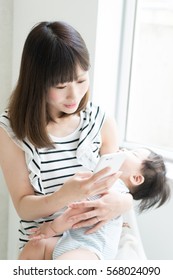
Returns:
(137,179)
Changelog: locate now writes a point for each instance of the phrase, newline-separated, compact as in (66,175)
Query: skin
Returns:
(131,168)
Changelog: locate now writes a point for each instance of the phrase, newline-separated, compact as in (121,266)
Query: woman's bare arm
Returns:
(27,204)
(109,134)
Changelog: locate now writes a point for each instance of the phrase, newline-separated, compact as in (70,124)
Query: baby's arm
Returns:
(41,244)
(58,225)
(46,230)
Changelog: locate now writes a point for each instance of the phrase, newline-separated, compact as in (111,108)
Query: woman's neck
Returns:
(64,126)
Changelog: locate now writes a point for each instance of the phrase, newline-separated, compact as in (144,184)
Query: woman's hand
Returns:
(58,225)
(83,185)
(100,211)
(86,213)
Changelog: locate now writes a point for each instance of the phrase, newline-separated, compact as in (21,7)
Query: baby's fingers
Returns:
(35,234)
(33,230)
(37,237)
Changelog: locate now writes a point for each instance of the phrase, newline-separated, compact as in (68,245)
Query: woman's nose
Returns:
(72,92)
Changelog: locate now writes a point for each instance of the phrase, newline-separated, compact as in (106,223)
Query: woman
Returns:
(51,138)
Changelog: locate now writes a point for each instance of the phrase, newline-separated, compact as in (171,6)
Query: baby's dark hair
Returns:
(154,191)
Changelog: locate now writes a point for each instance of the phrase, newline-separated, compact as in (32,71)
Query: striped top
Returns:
(49,168)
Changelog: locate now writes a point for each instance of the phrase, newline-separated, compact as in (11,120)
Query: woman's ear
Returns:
(137,179)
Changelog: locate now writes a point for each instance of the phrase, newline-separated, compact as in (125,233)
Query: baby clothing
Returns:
(104,242)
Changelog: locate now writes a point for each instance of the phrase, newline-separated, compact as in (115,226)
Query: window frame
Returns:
(124,78)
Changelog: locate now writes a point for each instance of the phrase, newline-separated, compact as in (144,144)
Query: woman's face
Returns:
(66,97)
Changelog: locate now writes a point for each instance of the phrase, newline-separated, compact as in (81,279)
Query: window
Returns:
(145,91)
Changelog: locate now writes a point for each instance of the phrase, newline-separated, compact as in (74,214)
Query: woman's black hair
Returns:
(51,54)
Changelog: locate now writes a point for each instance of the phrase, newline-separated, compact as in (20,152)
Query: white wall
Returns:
(156,229)
(80,14)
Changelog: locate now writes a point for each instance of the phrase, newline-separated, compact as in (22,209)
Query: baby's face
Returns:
(134,160)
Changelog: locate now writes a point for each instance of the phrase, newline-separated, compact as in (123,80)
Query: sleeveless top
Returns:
(49,168)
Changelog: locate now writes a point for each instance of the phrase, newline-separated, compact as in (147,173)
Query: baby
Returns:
(144,176)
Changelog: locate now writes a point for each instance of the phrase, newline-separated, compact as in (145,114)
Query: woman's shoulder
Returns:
(5,121)
(6,126)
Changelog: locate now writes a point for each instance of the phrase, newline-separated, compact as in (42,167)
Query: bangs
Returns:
(63,64)
(58,51)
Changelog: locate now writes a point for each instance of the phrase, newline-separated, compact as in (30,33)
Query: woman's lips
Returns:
(70,106)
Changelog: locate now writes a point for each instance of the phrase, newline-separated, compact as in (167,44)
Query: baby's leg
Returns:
(78,254)
(33,250)
(38,249)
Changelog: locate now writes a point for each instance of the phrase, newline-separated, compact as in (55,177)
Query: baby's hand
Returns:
(43,232)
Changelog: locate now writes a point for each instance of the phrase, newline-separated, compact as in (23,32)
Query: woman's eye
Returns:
(80,82)
(60,87)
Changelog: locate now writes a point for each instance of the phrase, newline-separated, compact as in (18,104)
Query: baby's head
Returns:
(144,172)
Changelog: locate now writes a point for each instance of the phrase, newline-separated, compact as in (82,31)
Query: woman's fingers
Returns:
(96,227)
(86,223)
(99,175)
(102,184)
(93,223)
(83,217)
(84,175)
(84,204)
(102,175)
(84,210)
